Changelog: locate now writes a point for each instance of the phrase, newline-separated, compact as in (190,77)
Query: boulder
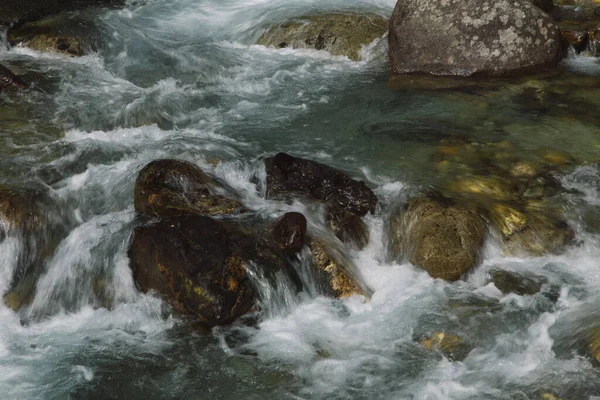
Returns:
(290,175)
(332,274)
(174,187)
(10,81)
(338,34)
(203,267)
(452,37)
(440,236)
(289,233)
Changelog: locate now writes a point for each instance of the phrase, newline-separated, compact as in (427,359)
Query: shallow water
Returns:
(182,79)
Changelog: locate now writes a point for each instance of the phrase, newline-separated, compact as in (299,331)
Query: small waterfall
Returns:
(89,267)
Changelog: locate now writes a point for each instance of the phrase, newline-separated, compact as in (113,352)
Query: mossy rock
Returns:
(174,187)
(443,237)
(338,34)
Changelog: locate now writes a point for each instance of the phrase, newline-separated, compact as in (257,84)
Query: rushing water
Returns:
(182,79)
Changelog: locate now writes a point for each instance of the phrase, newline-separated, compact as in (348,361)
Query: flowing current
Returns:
(183,79)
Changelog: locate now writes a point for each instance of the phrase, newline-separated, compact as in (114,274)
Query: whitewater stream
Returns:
(183,79)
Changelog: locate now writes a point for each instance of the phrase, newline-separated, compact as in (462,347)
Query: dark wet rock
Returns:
(440,236)
(338,34)
(348,227)
(577,39)
(332,274)
(513,282)
(10,81)
(289,233)
(174,187)
(444,37)
(545,5)
(200,266)
(15,11)
(290,175)
(451,346)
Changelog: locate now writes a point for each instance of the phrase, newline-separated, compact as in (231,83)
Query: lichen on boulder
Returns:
(338,34)
(452,37)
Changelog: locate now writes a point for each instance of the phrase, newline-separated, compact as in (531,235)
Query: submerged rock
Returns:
(440,236)
(543,234)
(338,283)
(174,187)
(10,81)
(290,175)
(338,34)
(201,266)
(442,37)
(289,233)
(512,282)
(451,346)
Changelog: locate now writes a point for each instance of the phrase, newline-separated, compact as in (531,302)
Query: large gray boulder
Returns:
(466,37)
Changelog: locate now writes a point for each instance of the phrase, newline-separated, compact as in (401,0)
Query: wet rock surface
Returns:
(289,233)
(338,34)
(198,265)
(442,37)
(13,11)
(174,187)
(291,175)
(513,282)
(348,227)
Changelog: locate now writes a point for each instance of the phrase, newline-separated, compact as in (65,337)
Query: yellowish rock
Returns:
(340,282)
(493,187)
(557,158)
(508,219)
(549,396)
(442,341)
(523,170)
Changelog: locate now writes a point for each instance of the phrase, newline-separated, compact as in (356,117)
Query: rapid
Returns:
(183,79)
